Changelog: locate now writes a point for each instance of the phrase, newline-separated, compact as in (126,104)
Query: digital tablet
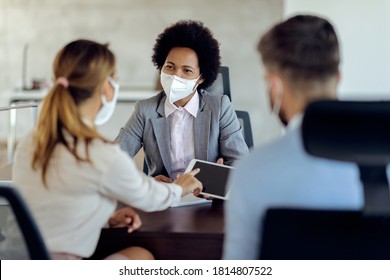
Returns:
(213,177)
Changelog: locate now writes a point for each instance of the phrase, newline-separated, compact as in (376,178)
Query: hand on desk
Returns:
(162,178)
(125,217)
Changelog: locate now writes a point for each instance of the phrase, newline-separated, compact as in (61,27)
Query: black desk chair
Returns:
(356,132)
(13,208)
(244,119)
(222,84)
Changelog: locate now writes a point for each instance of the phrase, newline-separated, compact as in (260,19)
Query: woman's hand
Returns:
(125,217)
(189,183)
(162,178)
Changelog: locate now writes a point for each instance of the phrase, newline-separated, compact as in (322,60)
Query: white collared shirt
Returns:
(295,122)
(182,133)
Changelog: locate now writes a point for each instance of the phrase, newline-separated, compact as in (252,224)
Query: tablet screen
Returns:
(213,177)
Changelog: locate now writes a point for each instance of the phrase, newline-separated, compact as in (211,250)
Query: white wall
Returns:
(364,31)
(131,27)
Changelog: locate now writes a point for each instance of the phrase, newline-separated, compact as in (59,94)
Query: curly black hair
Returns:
(194,35)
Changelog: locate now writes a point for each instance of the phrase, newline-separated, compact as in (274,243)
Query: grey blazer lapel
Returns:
(163,138)
(161,129)
(202,131)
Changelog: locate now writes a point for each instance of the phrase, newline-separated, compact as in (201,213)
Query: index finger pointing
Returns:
(194,172)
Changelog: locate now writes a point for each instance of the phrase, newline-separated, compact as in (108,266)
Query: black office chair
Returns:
(222,84)
(245,122)
(356,132)
(13,208)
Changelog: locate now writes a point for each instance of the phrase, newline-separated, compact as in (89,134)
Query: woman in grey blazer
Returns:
(184,121)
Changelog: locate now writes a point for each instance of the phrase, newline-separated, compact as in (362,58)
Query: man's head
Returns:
(301,59)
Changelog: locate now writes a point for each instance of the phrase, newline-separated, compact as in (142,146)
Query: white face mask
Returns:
(277,103)
(177,88)
(276,106)
(106,111)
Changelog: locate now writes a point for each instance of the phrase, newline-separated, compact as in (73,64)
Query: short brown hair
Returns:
(303,48)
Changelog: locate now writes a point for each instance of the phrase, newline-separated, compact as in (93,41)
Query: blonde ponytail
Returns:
(58,113)
(80,69)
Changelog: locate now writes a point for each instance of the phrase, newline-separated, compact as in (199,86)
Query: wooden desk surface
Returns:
(190,232)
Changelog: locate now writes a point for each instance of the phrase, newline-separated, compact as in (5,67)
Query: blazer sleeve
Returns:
(232,144)
(130,136)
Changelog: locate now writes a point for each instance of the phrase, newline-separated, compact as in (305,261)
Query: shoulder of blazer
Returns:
(152,104)
(211,101)
(155,99)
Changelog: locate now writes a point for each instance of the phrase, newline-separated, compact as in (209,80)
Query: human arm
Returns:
(183,182)
(162,178)
(124,182)
(130,136)
(189,183)
(125,217)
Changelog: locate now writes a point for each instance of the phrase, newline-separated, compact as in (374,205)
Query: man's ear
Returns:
(338,75)
(276,86)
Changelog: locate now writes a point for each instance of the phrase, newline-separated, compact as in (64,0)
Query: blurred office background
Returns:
(32,31)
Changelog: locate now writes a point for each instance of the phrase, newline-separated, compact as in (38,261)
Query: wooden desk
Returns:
(182,233)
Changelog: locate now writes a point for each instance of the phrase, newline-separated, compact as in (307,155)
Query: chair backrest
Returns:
(12,203)
(222,84)
(298,234)
(353,131)
(244,119)
(357,132)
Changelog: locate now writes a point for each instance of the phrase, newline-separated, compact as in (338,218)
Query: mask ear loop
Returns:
(279,97)
(278,103)
(196,83)
(102,96)
(114,85)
